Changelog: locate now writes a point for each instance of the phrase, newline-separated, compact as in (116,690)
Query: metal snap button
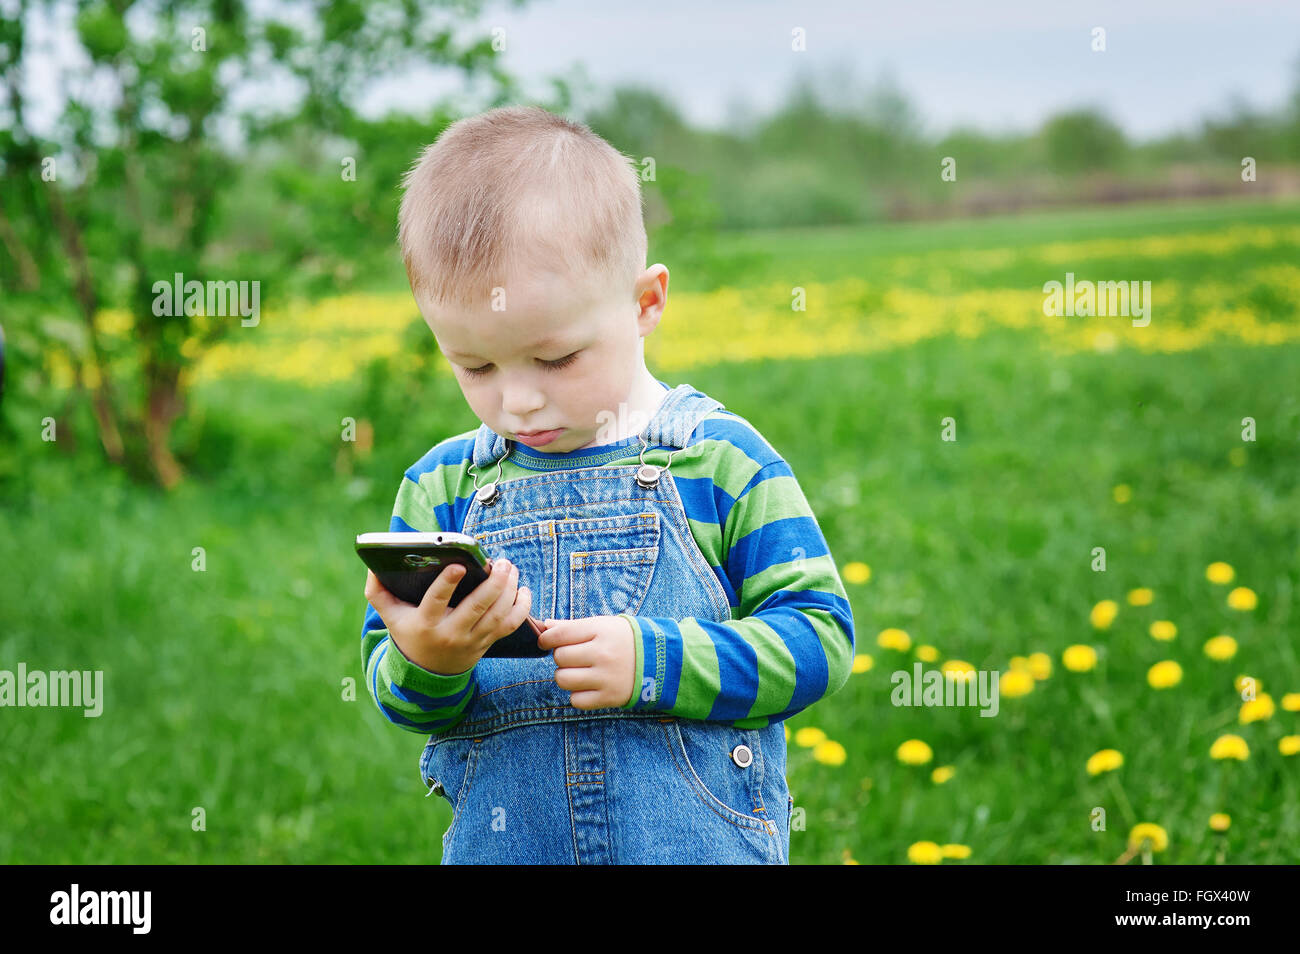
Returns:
(647,476)
(742,756)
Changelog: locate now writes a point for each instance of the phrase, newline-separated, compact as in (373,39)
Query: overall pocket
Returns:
(447,768)
(722,766)
(611,562)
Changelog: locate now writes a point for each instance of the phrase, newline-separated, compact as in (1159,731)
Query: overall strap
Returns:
(679,414)
(489,447)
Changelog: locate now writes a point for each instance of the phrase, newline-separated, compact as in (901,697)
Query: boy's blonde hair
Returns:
(513,187)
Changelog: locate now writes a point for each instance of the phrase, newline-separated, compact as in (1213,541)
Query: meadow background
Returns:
(226,689)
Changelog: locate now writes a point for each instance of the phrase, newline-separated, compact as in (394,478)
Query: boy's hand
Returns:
(450,641)
(594,657)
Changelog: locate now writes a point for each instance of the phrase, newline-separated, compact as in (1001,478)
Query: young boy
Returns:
(689,599)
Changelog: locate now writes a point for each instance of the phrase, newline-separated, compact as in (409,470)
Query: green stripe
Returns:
(708,535)
(776,665)
(698,688)
(413,505)
(775,498)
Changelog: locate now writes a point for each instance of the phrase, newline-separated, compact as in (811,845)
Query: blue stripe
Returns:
(807,599)
(777,468)
(398,719)
(733,598)
(450,452)
(774,543)
(737,673)
(811,671)
(374,675)
(430,703)
(740,434)
(654,629)
(702,499)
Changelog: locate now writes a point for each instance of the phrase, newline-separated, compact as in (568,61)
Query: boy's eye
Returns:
(554,365)
(564,362)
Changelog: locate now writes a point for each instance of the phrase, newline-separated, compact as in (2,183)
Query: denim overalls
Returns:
(533,780)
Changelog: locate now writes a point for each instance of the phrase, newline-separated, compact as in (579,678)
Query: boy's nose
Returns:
(520,402)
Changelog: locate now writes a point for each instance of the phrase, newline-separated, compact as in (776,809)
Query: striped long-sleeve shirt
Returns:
(790,640)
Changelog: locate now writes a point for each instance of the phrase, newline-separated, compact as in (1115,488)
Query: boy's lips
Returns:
(538,438)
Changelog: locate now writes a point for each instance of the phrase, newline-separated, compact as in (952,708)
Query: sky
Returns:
(998,66)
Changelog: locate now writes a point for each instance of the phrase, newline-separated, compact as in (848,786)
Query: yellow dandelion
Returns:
(1219,572)
(925,853)
(829,752)
(1164,630)
(958,669)
(1107,760)
(927,653)
(1243,598)
(894,639)
(856,572)
(1237,456)
(1079,658)
(1122,493)
(914,752)
(1165,674)
(1221,648)
(808,736)
(1015,683)
(1103,614)
(1040,665)
(1230,746)
(787,733)
(1140,597)
(942,774)
(862,662)
(1289,744)
(1257,709)
(1220,821)
(1019,664)
(1149,835)
(955,851)
(1291,702)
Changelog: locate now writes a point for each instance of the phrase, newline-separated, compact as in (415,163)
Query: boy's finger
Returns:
(484,596)
(434,602)
(563,632)
(379,597)
(500,609)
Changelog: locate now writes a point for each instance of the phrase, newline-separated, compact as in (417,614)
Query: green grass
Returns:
(225,688)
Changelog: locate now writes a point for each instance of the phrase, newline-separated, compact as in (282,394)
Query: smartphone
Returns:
(407,563)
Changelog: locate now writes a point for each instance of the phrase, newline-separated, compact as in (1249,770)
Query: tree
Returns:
(1081,141)
(129,188)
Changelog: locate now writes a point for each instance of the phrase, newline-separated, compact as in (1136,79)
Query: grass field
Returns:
(226,689)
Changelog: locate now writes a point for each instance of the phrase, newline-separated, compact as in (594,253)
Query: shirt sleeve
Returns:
(410,696)
(791,641)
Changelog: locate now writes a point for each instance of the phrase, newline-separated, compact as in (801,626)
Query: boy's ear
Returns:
(652,298)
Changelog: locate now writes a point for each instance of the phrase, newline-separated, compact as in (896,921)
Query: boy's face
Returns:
(554,358)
